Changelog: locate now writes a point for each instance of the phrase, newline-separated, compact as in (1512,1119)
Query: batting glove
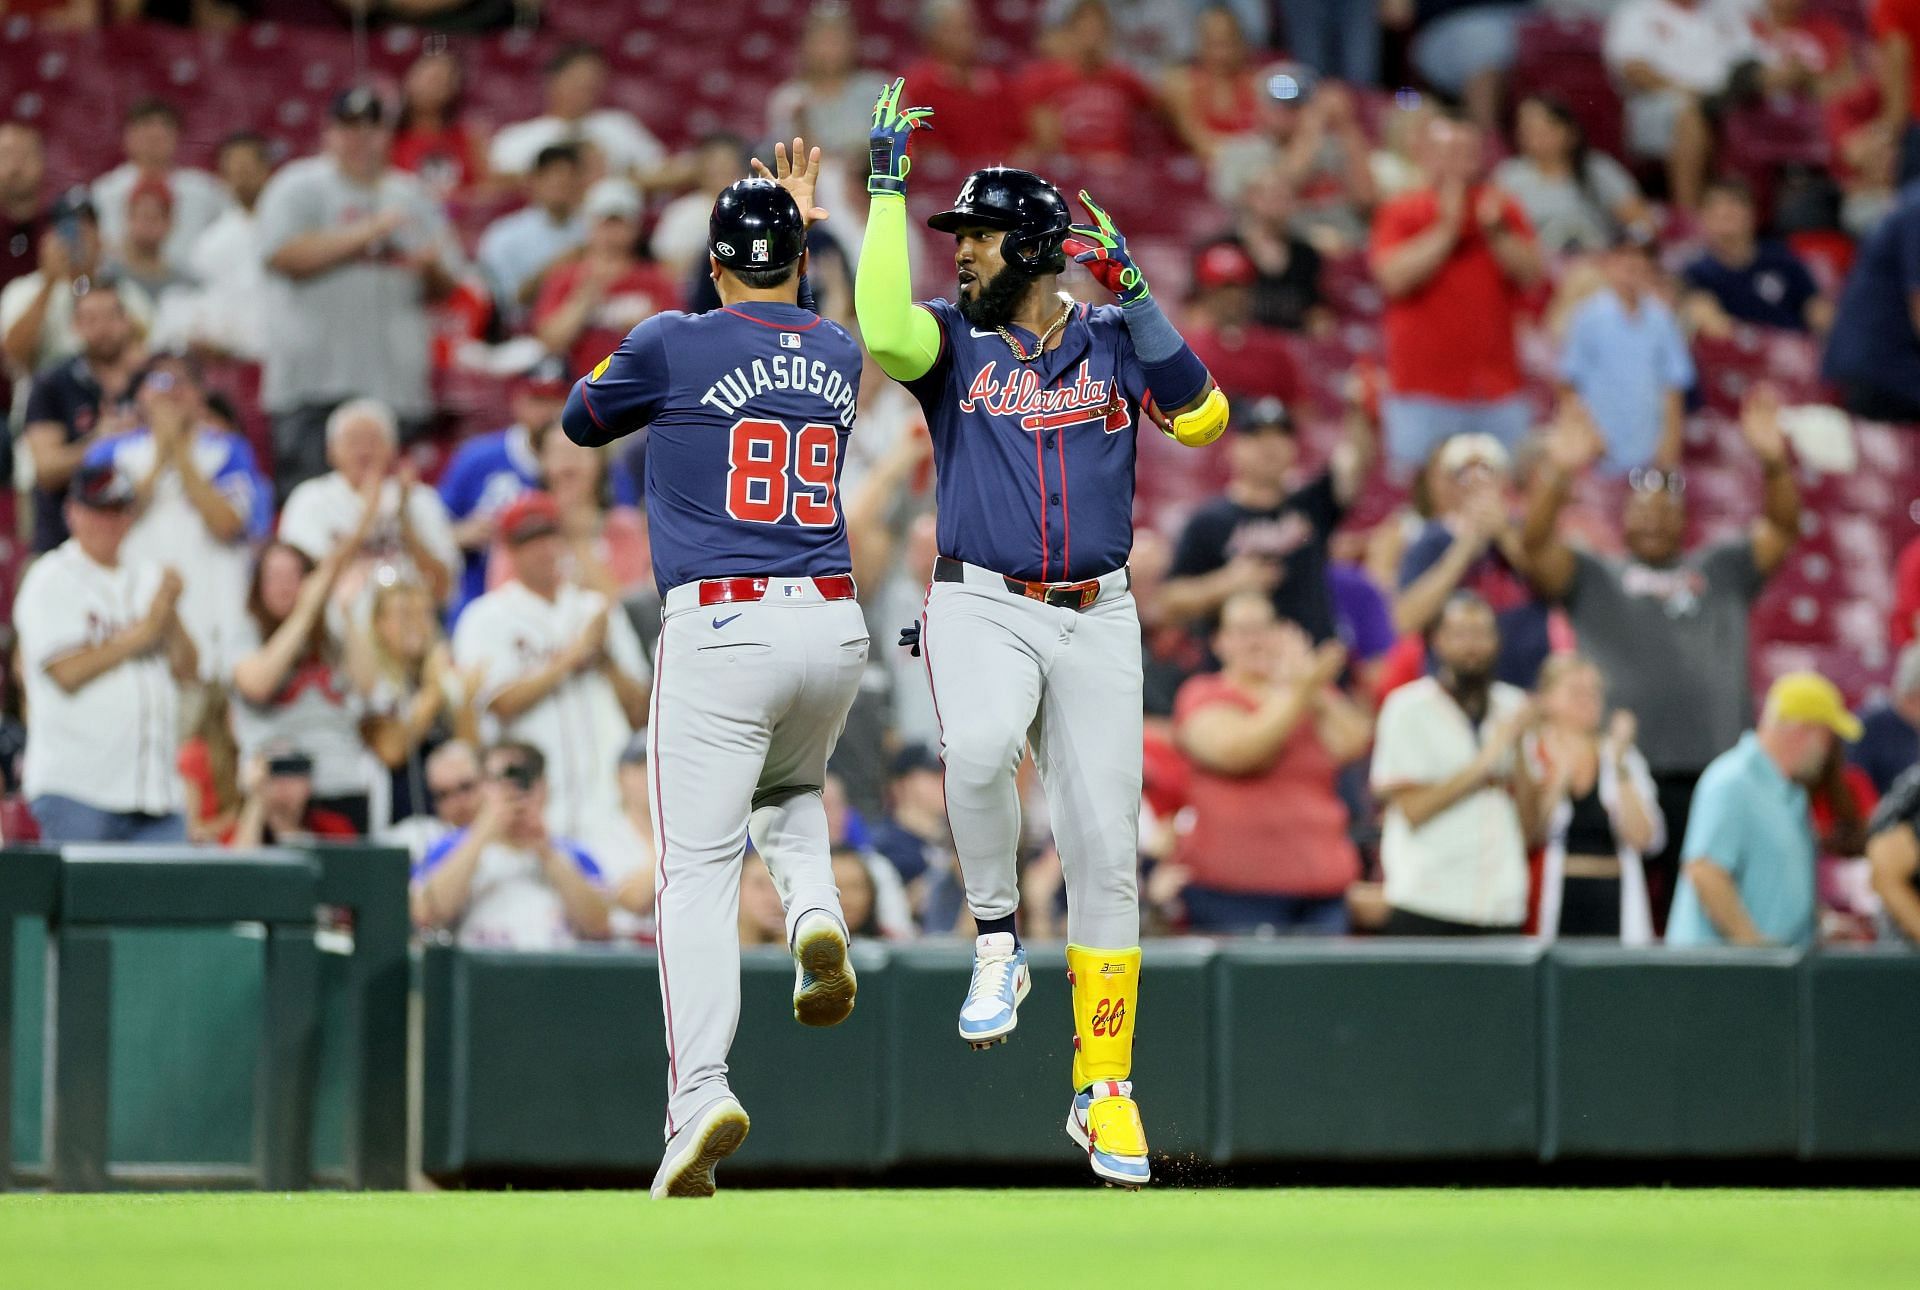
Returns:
(893,126)
(910,638)
(1100,247)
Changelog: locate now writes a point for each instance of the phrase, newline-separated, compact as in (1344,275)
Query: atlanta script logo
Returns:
(1068,403)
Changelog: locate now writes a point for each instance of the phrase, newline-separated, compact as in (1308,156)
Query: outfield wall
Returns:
(1252,1052)
(1249,1052)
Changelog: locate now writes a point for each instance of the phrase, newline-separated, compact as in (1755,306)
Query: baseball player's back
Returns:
(747,409)
(762,644)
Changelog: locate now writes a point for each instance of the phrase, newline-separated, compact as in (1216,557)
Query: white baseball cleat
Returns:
(1000,983)
(823,981)
(714,1135)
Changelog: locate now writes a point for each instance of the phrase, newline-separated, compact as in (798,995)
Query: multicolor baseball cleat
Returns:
(1000,983)
(824,984)
(687,1169)
(1105,1121)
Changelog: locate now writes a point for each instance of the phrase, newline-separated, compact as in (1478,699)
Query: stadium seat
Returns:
(1561,56)
(1759,141)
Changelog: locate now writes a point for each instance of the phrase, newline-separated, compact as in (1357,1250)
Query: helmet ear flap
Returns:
(1038,255)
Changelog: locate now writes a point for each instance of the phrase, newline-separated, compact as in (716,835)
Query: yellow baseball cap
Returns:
(1812,698)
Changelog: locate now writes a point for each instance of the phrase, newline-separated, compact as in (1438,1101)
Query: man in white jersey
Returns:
(412,529)
(564,671)
(202,502)
(103,652)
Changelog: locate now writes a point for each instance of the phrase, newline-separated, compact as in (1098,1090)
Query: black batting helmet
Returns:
(756,225)
(1030,209)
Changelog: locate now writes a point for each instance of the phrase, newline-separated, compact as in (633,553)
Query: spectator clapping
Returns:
(415,698)
(1461,805)
(103,652)
(410,528)
(1266,737)
(1601,811)
(289,678)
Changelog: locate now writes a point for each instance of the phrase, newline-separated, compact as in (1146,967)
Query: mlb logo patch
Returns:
(789,340)
(759,255)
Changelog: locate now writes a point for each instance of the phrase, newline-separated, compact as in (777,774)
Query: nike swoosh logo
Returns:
(718,623)
(977,332)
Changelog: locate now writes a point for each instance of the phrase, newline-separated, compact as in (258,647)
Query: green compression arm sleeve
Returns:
(904,340)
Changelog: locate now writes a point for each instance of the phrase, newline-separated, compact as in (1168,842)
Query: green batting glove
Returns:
(1100,247)
(893,126)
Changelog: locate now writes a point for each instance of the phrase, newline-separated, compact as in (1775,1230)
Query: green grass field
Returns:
(1073,1240)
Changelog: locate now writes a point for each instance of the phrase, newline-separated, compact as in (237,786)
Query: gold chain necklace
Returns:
(1066,312)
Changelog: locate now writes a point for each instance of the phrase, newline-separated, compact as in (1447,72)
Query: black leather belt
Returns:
(1077,596)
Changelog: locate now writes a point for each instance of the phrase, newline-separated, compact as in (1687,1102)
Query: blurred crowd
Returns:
(1444,653)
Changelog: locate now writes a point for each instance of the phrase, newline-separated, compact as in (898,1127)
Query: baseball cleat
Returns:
(1000,982)
(687,1169)
(823,980)
(1105,1122)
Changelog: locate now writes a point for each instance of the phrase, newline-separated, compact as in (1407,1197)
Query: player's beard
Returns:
(998,299)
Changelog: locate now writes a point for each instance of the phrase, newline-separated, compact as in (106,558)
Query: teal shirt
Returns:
(1752,821)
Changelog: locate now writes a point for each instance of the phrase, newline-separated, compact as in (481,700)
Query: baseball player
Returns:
(1029,629)
(762,644)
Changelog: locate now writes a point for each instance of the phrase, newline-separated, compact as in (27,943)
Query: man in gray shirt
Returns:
(1667,625)
(355,251)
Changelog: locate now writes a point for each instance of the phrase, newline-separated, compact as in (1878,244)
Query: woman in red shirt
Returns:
(1267,735)
(431,140)
(1216,95)
(587,307)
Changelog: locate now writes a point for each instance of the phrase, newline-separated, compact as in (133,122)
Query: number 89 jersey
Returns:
(749,408)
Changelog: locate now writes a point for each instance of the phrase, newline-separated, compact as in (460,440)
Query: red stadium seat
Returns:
(1759,141)
(1561,56)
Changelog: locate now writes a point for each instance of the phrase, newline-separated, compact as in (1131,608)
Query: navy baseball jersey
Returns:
(1034,460)
(748,409)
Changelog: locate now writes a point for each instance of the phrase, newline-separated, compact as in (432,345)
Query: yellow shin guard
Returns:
(1106,997)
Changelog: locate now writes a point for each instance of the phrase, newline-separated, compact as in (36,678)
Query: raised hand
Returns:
(1486,514)
(1103,250)
(893,127)
(592,641)
(1506,734)
(1490,209)
(1760,424)
(799,180)
(168,595)
(1329,660)
(1622,731)
(1574,442)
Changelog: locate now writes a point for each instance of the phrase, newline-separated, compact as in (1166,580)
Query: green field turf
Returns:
(1073,1240)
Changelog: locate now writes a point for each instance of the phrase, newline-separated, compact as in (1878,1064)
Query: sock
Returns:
(988,926)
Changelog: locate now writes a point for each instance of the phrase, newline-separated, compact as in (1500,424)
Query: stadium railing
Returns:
(143,1009)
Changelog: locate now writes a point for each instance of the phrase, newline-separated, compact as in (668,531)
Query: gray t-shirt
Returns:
(361,327)
(1565,215)
(1672,645)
